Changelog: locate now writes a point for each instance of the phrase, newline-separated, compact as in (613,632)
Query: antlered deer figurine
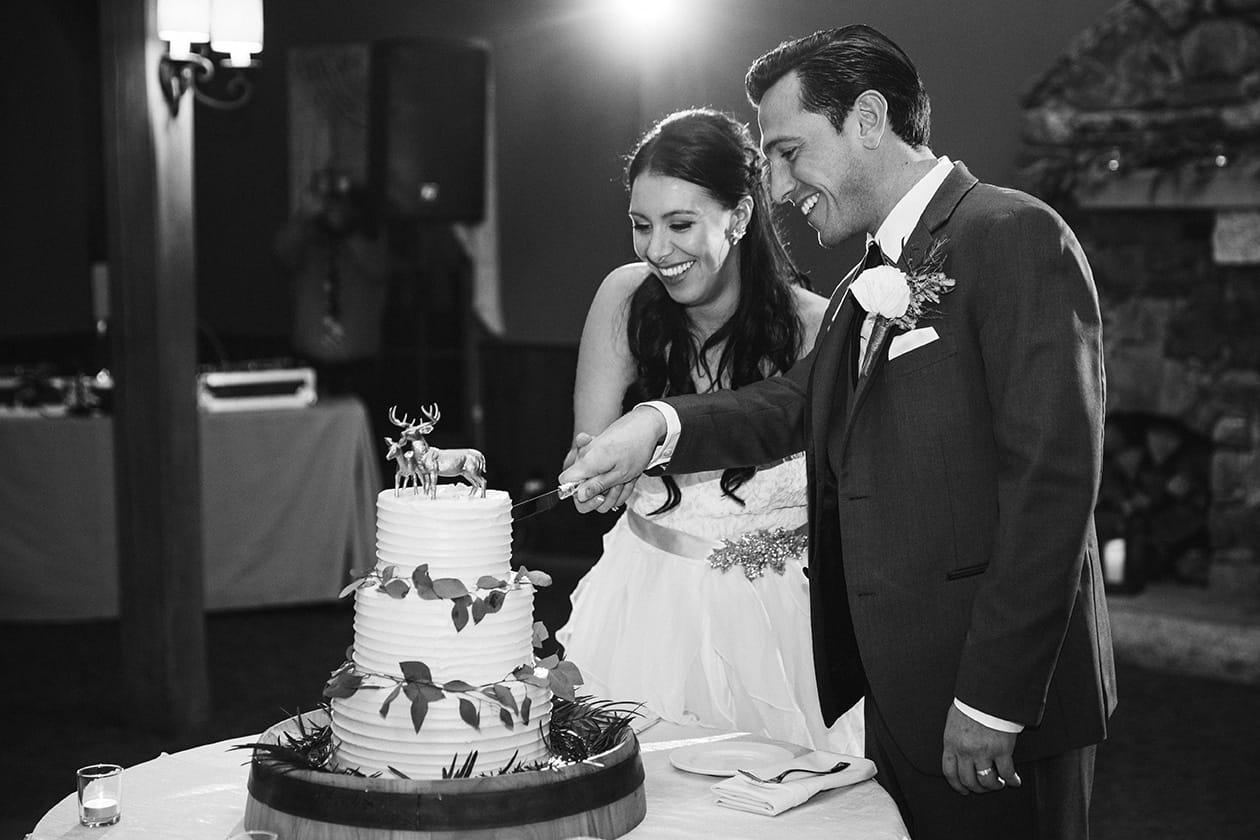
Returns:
(431,462)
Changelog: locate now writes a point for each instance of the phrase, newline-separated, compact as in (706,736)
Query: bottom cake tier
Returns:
(601,797)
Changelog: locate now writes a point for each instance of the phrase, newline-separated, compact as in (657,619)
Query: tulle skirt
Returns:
(696,645)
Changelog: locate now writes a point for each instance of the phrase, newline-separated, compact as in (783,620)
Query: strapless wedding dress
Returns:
(654,622)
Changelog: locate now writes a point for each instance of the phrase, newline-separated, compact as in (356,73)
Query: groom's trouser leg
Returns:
(1052,803)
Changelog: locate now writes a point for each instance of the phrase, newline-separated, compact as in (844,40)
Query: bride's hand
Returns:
(610,500)
(580,441)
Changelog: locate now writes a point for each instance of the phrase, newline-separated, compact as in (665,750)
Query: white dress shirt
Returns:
(897,227)
(891,236)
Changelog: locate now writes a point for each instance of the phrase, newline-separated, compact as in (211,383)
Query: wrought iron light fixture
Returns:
(233,28)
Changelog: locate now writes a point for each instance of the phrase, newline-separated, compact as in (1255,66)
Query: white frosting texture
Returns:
(458,537)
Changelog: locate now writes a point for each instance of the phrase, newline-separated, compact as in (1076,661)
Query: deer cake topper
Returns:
(420,465)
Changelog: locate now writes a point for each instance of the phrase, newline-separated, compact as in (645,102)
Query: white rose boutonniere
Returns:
(899,298)
(883,290)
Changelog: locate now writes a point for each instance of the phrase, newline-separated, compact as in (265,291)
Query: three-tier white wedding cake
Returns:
(442,663)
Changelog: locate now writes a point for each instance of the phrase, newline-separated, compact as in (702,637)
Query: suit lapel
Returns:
(838,322)
(956,185)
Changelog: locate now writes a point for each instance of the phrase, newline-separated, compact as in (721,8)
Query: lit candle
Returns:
(100,810)
(1113,562)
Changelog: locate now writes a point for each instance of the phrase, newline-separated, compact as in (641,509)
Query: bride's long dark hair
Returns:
(763,336)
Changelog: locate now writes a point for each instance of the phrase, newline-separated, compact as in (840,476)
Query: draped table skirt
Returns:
(287,501)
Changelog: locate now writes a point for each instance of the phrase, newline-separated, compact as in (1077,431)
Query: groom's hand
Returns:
(611,499)
(977,759)
(617,456)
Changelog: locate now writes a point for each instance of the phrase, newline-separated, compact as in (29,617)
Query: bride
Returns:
(699,606)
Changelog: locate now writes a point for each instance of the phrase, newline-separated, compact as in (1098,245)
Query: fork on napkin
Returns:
(744,794)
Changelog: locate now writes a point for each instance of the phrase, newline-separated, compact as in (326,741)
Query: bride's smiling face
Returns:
(680,231)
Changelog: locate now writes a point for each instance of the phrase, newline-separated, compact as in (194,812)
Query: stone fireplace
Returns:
(1146,136)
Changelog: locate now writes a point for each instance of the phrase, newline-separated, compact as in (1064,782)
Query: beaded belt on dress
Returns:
(755,551)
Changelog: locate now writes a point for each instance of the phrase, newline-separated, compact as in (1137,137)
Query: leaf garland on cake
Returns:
(466,603)
(560,677)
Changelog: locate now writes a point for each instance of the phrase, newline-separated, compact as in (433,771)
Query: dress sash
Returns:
(754,551)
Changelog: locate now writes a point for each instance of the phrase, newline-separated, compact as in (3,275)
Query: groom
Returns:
(954,569)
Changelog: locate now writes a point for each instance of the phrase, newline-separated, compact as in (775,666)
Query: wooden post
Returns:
(150,229)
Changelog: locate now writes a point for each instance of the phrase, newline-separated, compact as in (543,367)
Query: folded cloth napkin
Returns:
(742,793)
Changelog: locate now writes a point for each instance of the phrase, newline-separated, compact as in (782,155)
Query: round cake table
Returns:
(199,794)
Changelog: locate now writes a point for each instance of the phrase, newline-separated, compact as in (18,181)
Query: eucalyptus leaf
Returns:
(459,685)
(539,578)
(389,699)
(570,671)
(468,711)
(420,576)
(540,635)
(350,587)
(387,573)
(520,672)
(459,613)
(396,588)
(416,671)
(449,587)
(549,662)
(490,582)
(525,704)
(505,697)
(419,708)
(495,600)
(560,685)
(506,717)
(343,685)
(431,692)
(479,610)
(425,591)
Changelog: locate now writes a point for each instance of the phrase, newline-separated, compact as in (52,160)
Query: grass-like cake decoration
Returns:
(580,729)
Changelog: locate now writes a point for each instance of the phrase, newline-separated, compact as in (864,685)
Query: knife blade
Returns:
(543,502)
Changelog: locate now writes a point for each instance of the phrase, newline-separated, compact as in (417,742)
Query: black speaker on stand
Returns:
(427,166)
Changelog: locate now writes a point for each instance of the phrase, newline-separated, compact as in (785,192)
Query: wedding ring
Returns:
(986,771)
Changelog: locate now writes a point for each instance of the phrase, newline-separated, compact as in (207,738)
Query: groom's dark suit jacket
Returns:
(952,547)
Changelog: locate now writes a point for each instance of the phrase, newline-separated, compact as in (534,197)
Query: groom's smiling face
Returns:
(822,172)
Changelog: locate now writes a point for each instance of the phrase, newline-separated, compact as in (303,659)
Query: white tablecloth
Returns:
(199,794)
(288,504)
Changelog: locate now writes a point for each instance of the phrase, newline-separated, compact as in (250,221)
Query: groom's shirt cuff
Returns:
(988,720)
(673,428)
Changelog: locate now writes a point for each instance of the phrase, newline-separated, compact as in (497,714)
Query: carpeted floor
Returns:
(1183,760)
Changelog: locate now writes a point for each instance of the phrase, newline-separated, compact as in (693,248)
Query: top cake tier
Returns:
(457,535)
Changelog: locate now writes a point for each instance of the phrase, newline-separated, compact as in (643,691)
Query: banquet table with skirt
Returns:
(200,794)
(287,505)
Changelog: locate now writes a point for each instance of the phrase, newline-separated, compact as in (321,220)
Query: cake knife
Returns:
(546,501)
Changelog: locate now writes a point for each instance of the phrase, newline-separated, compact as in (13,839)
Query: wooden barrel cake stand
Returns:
(599,798)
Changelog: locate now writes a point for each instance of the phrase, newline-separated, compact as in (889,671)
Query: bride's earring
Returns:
(734,235)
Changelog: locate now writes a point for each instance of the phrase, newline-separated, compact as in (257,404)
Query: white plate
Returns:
(723,758)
